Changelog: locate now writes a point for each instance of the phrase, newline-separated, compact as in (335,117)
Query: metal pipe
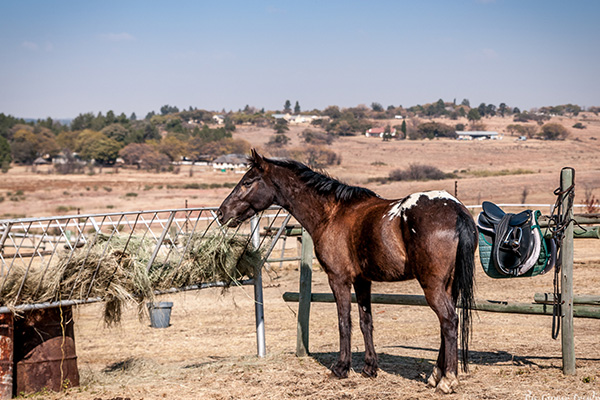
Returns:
(258,292)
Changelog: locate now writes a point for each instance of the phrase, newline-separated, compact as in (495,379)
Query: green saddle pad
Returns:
(485,255)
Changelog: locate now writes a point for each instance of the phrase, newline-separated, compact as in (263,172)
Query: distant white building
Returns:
(230,162)
(480,135)
(297,119)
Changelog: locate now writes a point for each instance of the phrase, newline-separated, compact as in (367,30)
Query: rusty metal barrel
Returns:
(6,355)
(44,353)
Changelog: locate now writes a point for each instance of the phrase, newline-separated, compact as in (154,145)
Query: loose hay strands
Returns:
(115,269)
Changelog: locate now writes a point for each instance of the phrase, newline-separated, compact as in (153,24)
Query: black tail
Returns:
(462,289)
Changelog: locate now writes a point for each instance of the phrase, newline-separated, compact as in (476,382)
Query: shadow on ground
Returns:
(417,368)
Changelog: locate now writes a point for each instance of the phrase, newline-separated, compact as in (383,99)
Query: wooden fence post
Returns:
(305,294)
(567,178)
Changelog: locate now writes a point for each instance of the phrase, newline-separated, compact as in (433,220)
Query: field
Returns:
(209,351)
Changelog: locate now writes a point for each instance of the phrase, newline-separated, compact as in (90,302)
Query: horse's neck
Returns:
(304,203)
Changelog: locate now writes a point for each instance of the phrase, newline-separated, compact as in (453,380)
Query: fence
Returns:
(31,247)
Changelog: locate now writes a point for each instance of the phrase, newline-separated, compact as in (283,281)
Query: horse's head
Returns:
(252,194)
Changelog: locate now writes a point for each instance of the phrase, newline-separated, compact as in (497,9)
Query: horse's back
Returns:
(399,239)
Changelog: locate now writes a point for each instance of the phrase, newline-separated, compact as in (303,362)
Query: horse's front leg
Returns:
(363,298)
(341,293)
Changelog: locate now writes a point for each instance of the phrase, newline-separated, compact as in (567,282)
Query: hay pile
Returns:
(115,270)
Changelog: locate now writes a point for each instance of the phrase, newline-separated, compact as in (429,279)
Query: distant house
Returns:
(297,119)
(378,132)
(41,161)
(219,119)
(480,135)
(230,162)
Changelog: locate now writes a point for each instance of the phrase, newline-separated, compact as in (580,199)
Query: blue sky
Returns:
(61,58)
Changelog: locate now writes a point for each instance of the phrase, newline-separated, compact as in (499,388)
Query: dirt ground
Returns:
(209,351)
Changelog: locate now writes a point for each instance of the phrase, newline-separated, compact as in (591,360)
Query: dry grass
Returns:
(115,269)
(209,351)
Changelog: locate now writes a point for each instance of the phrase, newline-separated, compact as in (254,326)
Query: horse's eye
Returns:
(248,183)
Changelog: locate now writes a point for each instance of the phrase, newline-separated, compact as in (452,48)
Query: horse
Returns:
(360,237)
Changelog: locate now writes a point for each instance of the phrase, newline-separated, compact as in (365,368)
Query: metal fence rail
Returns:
(35,244)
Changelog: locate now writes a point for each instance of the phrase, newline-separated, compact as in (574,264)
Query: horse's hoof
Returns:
(340,370)
(435,377)
(448,383)
(369,372)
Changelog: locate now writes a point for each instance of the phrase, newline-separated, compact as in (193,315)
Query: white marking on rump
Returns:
(399,207)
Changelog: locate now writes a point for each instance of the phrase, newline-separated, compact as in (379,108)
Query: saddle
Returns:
(514,241)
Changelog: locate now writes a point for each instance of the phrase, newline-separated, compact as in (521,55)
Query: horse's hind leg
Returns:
(342,295)
(446,369)
(440,365)
(363,298)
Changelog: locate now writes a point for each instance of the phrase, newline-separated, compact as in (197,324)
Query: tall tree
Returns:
(473,115)
(5,157)
(482,109)
(377,107)
(297,108)
(24,146)
(502,109)
(287,107)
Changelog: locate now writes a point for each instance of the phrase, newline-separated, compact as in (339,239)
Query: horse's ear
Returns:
(257,160)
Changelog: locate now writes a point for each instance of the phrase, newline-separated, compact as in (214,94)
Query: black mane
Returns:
(322,183)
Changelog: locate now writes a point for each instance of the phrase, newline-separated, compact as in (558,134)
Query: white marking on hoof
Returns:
(448,383)
(435,377)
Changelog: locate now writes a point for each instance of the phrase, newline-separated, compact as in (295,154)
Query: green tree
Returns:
(82,121)
(46,142)
(116,131)
(94,145)
(482,109)
(466,102)
(5,157)
(172,147)
(297,108)
(554,131)
(167,109)
(24,146)
(281,126)
(473,115)
(287,107)
(502,109)
(403,129)
(377,107)
(332,112)
(278,141)
(432,130)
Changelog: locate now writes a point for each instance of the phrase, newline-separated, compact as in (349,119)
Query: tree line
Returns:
(173,134)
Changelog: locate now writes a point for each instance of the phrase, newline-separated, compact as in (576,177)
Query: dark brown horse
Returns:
(360,237)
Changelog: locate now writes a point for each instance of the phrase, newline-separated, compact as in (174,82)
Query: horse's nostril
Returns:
(219,215)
